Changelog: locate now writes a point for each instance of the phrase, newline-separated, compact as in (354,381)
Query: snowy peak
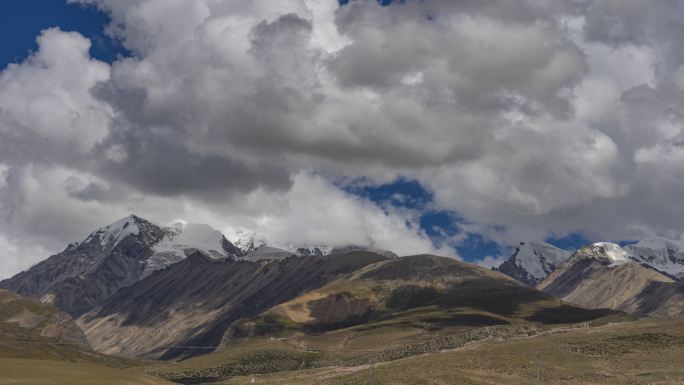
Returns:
(531,262)
(111,235)
(612,252)
(662,255)
(169,244)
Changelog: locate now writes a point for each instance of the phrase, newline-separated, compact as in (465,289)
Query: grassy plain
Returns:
(644,352)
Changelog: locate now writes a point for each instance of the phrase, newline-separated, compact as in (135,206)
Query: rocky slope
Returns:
(414,292)
(193,302)
(604,275)
(113,257)
(531,262)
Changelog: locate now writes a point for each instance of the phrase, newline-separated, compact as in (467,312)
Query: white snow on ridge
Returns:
(661,254)
(182,239)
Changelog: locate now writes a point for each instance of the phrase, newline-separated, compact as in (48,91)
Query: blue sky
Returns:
(22,20)
(439,223)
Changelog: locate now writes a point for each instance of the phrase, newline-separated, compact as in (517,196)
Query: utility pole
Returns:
(372,373)
(538,377)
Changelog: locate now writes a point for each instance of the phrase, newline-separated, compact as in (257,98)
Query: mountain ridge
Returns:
(603,275)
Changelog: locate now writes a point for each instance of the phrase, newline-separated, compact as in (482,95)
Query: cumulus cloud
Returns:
(47,113)
(315,212)
(527,118)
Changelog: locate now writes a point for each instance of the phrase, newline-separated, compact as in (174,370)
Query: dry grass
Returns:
(43,372)
(646,352)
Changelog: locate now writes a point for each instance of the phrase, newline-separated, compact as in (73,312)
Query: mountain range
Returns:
(642,279)
(123,253)
(140,290)
(531,262)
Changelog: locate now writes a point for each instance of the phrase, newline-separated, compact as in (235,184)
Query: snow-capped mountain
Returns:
(605,275)
(112,257)
(664,255)
(531,262)
(169,244)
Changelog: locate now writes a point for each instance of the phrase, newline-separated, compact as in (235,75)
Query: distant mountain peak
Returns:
(110,236)
(531,262)
(661,254)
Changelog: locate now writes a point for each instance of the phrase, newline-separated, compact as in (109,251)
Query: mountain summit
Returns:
(531,262)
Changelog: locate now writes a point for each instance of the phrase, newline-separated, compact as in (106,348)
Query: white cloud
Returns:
(314,212)
(528,118)
(47,112)
(17,257)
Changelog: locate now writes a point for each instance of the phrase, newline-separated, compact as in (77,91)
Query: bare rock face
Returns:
(436,292)
(115,256)
(603,275)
